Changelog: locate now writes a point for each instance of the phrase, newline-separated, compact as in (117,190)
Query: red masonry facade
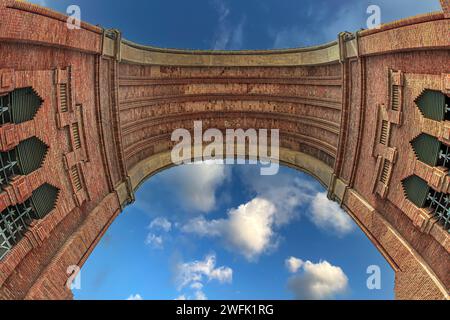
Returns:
(346,111)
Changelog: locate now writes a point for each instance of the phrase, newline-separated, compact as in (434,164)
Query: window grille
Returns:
(14,222)
(27,157)
(5,111)
(440,204)
(9,166)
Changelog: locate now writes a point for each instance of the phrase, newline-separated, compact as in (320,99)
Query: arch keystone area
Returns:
(346,112)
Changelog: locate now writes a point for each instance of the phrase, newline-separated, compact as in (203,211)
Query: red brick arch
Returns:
(110,106)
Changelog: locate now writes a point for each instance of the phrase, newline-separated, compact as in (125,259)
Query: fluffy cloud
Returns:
(154,241)
(327,215)
(135,297)
(287,193)
(196,184)
(293,264)
(161,224)
(195,272)
(318,281)
(248,229)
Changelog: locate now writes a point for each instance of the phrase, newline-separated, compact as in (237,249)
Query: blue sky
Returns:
(226,232)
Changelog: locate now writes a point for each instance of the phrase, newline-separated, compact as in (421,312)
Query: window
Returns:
(27,157)
(15,220)
(19,106)
(440,204)
(427,149)
(416,190)
(44,200)
(434,105)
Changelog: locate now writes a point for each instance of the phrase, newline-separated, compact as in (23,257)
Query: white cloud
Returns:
(181,298)
(154,241)
(161,224)
(248,229)
(135,297)
(288,194)
(197,286)
(327,215)
(293,264)
(228,36)
(196,184)
(318,281)
(200,271)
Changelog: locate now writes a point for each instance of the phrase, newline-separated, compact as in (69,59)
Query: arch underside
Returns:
(126,100)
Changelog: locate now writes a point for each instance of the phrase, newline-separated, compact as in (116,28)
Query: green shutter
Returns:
(44,200)
(31,154)
(427,149)
(432,105)
(24,105)
(416,190)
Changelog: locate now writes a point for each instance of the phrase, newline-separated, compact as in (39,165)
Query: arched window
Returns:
(431,151)
(15,220)
(423,196)
(27,157)
(434,105)
(19,106)
(44,200)
(416,190)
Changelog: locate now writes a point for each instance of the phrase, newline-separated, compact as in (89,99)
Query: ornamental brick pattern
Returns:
(345,111)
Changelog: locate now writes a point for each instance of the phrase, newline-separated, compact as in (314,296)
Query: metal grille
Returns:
(76,178)
(63,97)
(444,156)
(385,172)
(76,136)
(14,222)
(9,166)
(395,98)
(384,132)
(5,110)
(440,204)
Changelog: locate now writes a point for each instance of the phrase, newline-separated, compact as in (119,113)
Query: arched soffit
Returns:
(294,159)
